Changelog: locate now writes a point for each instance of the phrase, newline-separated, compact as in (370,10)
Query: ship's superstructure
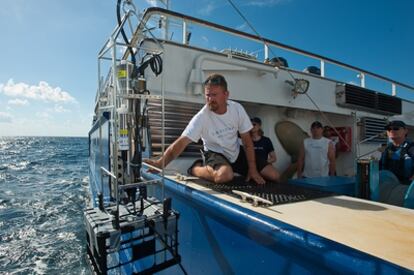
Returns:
(143,220)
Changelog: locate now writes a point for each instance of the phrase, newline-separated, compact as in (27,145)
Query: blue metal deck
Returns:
(218,237)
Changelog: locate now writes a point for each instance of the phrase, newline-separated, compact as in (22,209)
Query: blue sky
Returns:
(48,50)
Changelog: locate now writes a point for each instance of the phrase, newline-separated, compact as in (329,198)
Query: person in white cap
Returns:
(317,155)
(398,156)
(396,165)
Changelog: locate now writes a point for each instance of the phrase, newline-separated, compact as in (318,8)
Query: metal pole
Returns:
(266,52)
(322,68)
(184,32)
(394,89)
(114,118)
(362,77)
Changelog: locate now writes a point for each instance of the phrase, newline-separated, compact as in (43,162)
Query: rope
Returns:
(258,35)
(290,73)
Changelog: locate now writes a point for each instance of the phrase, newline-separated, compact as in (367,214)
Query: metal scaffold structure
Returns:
(126,229)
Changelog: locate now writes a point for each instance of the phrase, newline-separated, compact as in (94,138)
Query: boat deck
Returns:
(381,230)
(274,193)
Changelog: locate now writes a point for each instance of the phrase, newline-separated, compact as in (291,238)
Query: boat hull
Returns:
(218,237)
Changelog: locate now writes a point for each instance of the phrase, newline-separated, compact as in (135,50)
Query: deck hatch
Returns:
(274,192)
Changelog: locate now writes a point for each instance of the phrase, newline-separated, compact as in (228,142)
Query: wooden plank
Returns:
(381,230)
(378,229)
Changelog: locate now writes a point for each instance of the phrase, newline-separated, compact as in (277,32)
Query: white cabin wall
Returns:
(185,69)
(270,115)
(268,94)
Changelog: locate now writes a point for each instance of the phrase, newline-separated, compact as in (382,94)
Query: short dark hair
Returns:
(316,124)
(216,80)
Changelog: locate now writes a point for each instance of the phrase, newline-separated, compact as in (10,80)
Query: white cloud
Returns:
(204,38)
(44,123)
(5,117)
(43,115)
(265,3)
(18,102)
(59,109)
(242,27)
(41,92)
(122,50)
(207,9)
(152,3)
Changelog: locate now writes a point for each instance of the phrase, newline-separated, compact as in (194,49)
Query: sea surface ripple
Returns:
(43,190)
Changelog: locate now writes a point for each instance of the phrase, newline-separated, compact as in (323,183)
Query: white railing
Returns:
(186,22)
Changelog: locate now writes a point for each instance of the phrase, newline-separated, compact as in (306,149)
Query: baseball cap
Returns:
(395,123)
(316,124)
(256,120)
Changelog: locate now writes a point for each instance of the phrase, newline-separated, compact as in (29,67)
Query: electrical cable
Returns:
(155,63)
(258,35)
(118,16)
(329,122)
(290,73)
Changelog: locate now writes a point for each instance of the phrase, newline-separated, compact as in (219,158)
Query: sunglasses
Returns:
(393,128)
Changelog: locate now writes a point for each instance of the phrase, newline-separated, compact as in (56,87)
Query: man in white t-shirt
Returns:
(218,124)
(317,155)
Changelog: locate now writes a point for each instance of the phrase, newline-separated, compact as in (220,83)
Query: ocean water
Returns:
(43,190)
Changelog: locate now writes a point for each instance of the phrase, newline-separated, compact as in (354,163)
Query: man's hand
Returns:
(154,165)
(254,175)
(251,159)
(172,152)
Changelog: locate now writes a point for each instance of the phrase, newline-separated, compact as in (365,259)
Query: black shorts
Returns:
(240,166)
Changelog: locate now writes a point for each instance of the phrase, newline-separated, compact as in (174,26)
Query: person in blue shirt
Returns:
(398,156)
(264,149)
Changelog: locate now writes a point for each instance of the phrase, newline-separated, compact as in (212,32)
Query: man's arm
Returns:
(251,159)
(331,157)
(172,152)
(301,160)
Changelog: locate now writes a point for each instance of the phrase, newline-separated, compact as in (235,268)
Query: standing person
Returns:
(317,155)
(218,124)
(264,149)
(398,156)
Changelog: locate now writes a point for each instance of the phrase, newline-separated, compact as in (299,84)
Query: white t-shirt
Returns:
(316,157)
(219,132)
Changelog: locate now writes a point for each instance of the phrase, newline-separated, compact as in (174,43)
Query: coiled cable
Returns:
(154,61)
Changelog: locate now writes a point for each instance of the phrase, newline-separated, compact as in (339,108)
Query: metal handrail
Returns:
(187,19)
(108,173)
(109,52)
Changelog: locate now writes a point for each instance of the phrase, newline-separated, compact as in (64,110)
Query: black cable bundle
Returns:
(155,63)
